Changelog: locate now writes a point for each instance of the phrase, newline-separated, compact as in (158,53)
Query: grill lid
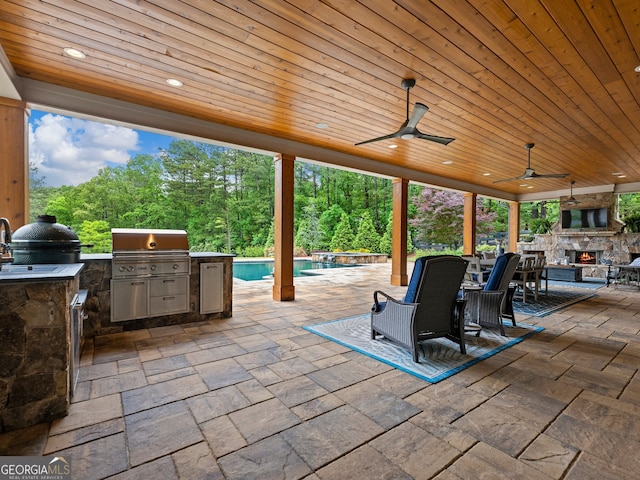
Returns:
(45,230)
(127,239)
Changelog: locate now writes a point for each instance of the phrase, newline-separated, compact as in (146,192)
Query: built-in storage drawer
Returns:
(167,304)
(176,285)
(168,295)
(211,288)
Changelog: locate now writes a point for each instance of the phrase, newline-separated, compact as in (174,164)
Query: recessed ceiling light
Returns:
(621,176)
(393,145)
(74,53)
(637,69)
(530,186)
(523,184)
(322,125)
(486,174)
(447,162)
(174,82)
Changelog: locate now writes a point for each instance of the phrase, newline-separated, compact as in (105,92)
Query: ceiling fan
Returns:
(530,173)
(408,130)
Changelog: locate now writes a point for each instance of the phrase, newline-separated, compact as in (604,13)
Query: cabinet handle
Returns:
(211,266)
(137,283)
(168,298)
(168,281)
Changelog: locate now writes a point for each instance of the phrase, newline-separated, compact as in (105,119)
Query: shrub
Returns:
(343,237)
(428,253)
(367,239)
(632,223)
(540,226)
(253,251)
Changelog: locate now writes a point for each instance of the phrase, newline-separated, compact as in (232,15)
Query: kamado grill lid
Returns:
(128,239)
(45,232)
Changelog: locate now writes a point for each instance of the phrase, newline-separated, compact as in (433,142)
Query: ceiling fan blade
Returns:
(385,137)
(418,112)
(550,175)
(433,138)
(521,177)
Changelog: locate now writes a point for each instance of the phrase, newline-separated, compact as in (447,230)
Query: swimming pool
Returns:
(264,270)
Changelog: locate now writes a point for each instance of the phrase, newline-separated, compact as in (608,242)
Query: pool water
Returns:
(264,270)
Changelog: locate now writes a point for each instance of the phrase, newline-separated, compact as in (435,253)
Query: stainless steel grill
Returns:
(150,273)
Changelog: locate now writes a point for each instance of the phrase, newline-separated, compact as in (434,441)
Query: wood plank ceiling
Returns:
(495,74)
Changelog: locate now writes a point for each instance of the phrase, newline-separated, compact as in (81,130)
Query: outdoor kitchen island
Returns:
(210,278)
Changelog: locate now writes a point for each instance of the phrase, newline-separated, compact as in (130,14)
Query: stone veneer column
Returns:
(283,289)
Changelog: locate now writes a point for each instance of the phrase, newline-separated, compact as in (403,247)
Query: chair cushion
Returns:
(496,273)
(414,283)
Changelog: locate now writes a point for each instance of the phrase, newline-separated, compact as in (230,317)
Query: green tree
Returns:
(628,205)
(308,236)
(366,237)
(386,241)
(96,233)
(343,237)
(327,224)
(440,217)
(39,193)
(61,205)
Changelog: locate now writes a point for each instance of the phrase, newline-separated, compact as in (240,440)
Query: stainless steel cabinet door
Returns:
(211,277)
(131,299)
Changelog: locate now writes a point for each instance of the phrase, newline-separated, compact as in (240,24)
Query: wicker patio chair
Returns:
(430,308)
(485,307)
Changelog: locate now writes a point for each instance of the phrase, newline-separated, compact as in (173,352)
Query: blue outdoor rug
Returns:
(548,303)
(440,358)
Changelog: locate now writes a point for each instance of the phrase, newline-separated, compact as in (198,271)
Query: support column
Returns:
(469,227)
(399,232)
(514,225)
(283,289)
(14,164)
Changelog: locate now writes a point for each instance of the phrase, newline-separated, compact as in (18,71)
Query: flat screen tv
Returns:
(584,218)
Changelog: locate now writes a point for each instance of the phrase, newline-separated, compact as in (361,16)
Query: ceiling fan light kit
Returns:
(571,200)
(409,129)
(530,173)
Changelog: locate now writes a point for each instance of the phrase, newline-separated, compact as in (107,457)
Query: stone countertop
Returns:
(108,256)
(210,254)
(11,273)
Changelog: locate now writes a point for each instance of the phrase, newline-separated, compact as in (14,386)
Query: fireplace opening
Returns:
(584,257)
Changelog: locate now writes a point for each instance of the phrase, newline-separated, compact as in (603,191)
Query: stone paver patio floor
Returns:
(257,397)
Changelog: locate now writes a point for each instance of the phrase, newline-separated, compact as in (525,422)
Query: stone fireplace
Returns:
(590,249)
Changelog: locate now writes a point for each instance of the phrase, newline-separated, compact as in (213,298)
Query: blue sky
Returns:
(70,151)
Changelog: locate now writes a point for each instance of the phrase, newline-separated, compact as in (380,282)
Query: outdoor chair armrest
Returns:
(377,304)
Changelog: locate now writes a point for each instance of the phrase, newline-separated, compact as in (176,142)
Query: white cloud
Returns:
(70,151)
